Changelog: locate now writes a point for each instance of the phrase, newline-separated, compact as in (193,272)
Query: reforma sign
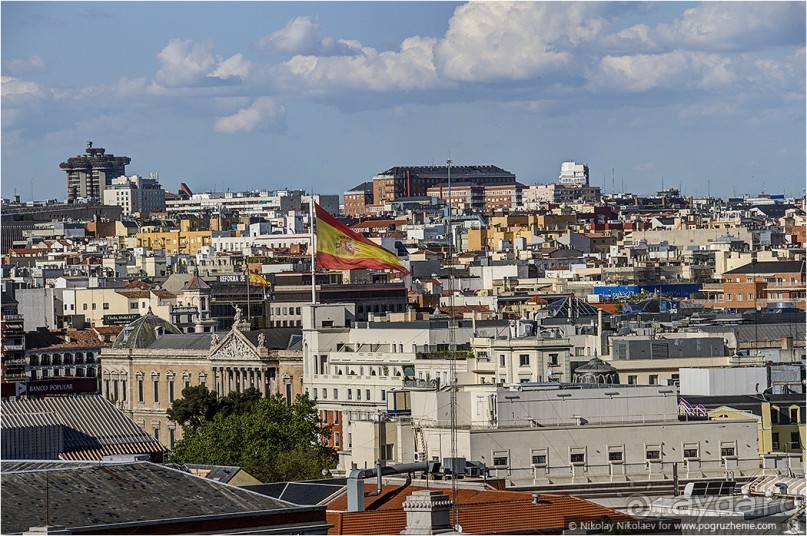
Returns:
(233,278)
(56,386)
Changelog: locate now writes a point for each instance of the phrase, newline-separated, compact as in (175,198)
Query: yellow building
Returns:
(151,362)
(182,241)
(514,227)
(780,420)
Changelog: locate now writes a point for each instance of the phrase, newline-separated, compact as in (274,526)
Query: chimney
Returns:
(427,512)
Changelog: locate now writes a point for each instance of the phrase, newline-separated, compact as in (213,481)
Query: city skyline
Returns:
(323,96)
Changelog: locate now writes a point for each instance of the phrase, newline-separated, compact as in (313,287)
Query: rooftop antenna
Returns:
(613,182)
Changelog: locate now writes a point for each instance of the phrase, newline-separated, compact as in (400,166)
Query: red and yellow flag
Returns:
(341,248)
(257,280)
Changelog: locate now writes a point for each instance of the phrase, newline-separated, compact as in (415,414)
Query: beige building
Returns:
(563,434)
(151,362)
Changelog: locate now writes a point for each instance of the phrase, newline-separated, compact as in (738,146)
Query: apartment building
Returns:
(764,284)
(566,433)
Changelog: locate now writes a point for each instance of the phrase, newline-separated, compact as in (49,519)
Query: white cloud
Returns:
(409,68)
(264,114)
(235,66)
(303,36)
(735,25)
(673,70)
(187,63)
(24,66)
(488,41)
(12,87)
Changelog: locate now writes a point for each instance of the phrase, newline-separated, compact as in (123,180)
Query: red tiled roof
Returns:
(613,308)
(134,293)
(138,284)
(480,512)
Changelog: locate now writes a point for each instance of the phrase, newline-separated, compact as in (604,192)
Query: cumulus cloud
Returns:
(673,70)
(304,36)
(263,114)
(488,41)
(409,68)
(24,66)
(11,87)
(188,63)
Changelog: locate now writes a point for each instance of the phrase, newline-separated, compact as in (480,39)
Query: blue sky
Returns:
(267,95)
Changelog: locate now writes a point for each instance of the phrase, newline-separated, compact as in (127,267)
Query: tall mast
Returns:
(311,220)
(452,352)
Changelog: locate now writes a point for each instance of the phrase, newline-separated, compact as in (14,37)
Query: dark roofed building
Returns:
(141,498)
(414,181)
(86,427)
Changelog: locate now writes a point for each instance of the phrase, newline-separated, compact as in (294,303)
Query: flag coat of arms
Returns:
(257,280)
(341,248)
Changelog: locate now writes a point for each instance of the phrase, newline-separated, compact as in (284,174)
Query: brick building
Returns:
(761,284)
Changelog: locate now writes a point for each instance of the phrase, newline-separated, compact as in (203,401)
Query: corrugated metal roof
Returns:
(764,332)
(94,427)
(81,494)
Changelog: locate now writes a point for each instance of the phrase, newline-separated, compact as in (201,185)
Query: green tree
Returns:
(267,437)
(197,404)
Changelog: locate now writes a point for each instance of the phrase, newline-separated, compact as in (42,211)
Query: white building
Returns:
(562,434)
(135,194)
(573,174)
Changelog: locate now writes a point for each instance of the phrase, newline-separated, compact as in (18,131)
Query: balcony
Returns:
(14,347)
(9,318)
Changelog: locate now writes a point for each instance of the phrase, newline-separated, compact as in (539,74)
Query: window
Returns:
(775,440)
(336,417)
(350,394)
(336,439)
(367,394)
(335,393)
(388,452)
(727,452)
(171,437)
(794,415)
(633,379)
(691,451)
(123,387)
(553,359)
(316,396)
(795,441)
(84,307)
(500,459)
(577,458)
(615,456)
(156,391)
(324,393)
(140,391)
(170,390)
(539,460)
(383,395)
(524,360)
(728,296)
(652,454)
(654,379)
(157,434)
(501,360)
(358,394)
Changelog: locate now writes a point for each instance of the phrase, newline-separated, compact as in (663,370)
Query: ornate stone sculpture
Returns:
(261,340)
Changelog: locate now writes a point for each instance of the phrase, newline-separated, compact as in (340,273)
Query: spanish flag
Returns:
(341,248)
(257,280)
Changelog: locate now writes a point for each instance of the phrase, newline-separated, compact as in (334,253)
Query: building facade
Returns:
(89,175)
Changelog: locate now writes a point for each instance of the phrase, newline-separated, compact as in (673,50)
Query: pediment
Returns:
(234,347)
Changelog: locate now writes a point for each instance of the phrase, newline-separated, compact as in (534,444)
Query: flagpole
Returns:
(313,251)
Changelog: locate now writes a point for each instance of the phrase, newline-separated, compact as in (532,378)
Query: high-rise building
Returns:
(88,175)
(573,174)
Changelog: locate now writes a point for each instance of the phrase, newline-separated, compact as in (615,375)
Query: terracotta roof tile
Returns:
(480,512)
